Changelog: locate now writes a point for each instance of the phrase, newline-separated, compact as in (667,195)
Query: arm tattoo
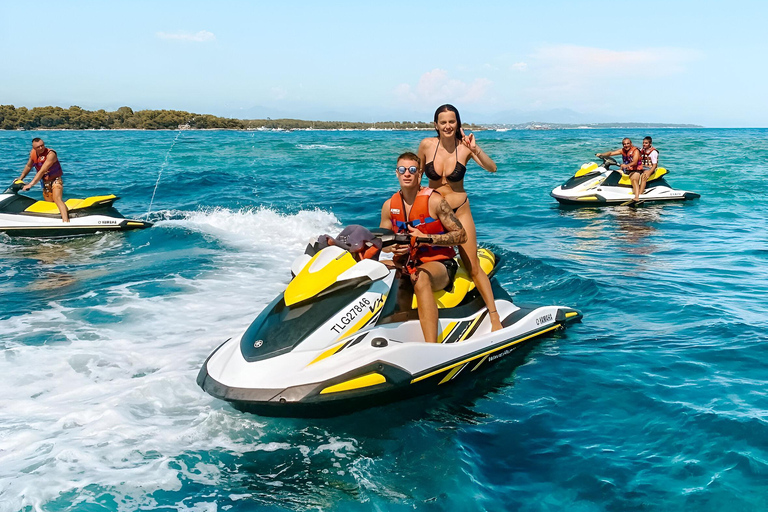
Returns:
(456,234)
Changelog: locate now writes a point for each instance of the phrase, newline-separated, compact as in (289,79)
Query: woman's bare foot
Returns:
(495,321)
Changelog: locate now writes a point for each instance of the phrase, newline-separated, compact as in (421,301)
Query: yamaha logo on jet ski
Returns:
(543,319)
(345,335)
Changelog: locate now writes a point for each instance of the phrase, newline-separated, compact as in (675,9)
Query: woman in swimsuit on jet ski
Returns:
(446,157)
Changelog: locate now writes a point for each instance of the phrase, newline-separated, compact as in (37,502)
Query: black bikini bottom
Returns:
(462,204)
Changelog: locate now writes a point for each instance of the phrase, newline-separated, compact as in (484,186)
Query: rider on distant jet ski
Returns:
(48,173)
(650,157)
(632,163)
(423,213)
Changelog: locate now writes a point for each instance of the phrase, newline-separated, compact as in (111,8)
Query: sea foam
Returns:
(116,404)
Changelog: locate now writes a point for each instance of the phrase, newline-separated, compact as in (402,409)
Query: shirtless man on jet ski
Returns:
(46,163)
(428,218)
(632,163)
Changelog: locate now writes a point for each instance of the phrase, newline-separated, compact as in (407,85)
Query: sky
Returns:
(699,62)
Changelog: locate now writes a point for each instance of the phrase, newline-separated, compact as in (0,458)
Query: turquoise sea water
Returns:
(657,401)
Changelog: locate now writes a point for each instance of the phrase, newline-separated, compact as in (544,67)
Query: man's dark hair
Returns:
(37,139)
(649,139)
(410,156)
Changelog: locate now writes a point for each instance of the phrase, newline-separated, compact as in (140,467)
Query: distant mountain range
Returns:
(595,126)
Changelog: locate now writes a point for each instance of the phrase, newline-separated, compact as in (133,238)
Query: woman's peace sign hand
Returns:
(469,141)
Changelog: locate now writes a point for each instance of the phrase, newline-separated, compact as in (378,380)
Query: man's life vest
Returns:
(55,170)
(646,157)
(626,156)
(419,218)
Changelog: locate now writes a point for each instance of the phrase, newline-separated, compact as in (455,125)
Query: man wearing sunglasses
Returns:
(434,229)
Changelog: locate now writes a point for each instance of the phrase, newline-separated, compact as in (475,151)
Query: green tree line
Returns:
(76,118)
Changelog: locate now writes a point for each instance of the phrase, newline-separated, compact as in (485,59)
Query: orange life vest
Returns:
(626,156)
(55,170)
(645,156)
(419,218)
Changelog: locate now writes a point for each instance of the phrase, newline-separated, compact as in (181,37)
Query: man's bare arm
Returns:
(27,168)
(456,234)
(615,152)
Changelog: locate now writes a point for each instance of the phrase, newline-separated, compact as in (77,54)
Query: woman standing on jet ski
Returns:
(446,157)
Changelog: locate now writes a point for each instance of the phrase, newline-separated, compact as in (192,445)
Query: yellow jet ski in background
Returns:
(599,185)
(24,216)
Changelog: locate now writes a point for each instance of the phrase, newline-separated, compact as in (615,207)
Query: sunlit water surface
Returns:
(657,401)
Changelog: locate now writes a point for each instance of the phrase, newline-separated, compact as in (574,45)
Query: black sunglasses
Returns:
(411,169)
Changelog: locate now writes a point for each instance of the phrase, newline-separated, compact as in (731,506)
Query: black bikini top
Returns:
(456,175)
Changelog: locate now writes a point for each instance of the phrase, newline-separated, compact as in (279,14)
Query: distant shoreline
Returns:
(288,130)
(76,119)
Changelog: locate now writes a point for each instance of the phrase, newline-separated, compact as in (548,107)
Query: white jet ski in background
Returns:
(23,216)
(344,335)
(594,185)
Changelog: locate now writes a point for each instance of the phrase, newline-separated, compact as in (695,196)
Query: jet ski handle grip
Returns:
(403,239)
(395,239)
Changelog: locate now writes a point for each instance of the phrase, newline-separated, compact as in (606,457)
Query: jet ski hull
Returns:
(603,187)
(345,335)
(58,228)
(22,216)
(378,369)
(618,196)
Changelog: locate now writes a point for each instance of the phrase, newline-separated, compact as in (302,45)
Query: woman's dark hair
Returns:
(449,108)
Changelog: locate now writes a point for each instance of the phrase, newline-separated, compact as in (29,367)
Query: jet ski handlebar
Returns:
(16,186)
(607,161)
(359,240)
(390,238)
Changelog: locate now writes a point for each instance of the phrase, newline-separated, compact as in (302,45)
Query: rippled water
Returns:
(657,401)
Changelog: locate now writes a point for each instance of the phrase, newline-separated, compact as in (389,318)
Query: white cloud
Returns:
(520,66)
(582,61)
(589,78)
(436,86)
(279,93)
(198,37)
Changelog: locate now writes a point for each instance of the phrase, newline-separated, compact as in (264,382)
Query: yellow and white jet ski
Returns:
(599,185)
(344,335)
(23,216)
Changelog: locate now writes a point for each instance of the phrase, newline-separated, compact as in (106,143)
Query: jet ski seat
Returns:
(462,283)
(658,173)
(72,204)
